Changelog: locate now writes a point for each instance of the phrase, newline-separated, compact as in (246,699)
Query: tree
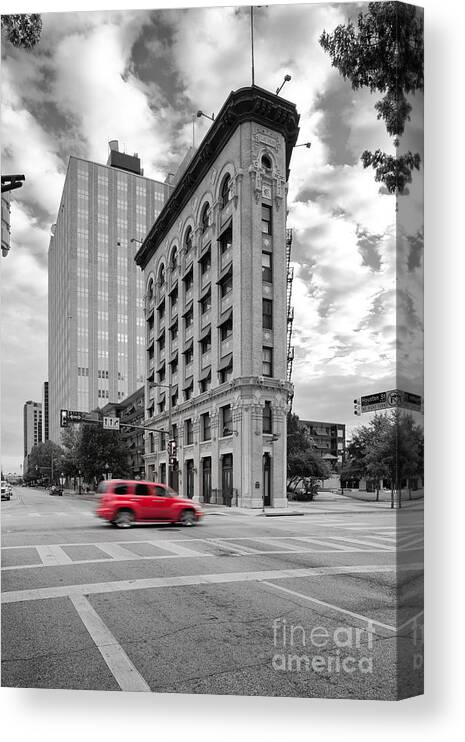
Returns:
(390,446)
(99,448)
(385,54)
(304,465)
(22,30)
(45,461)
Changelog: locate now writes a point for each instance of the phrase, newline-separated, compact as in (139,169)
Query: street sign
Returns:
(74,416)
(372,402)
(111,423)
(394,398)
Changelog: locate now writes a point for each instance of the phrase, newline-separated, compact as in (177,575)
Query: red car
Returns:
(126,502)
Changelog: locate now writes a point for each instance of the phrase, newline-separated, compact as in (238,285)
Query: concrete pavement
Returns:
(302,606)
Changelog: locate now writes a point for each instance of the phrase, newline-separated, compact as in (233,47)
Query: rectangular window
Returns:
(206,343)
(267,419)
(188,432)
(189,319)
(206,303)
(226,286)
(266,219)
(226,330)
(205,263)
(267,314)
(206,427)
(267,272)
(188,356)
(226,420)
(267,361)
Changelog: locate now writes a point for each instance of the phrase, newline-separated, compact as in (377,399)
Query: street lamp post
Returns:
(170,427)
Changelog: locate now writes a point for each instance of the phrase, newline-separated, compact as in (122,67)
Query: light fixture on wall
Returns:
(201,113)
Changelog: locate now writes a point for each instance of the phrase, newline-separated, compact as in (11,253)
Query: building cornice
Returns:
(243,105)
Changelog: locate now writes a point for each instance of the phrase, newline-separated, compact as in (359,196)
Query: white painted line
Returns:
(119,664)
(175,548)
(202,555)
(43,593)
(366,619)
(52,556)
(311,540)
(363,543)
(271,542)
(240,550)
(116,551)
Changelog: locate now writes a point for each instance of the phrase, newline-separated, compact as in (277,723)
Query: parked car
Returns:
(6,491)
(55,490)
(124,502)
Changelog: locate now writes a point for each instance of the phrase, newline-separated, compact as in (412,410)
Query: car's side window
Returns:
(121,489)
(142,490)
(160,491)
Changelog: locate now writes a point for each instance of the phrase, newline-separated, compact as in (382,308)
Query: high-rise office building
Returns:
(45,433)
(32,416)
(96,320)
(215,265)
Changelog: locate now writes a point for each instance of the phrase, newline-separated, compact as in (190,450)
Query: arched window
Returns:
(204,220)
(150,290)
(225,191)
(266,162)
(161,275)
(174,259)
(188,240)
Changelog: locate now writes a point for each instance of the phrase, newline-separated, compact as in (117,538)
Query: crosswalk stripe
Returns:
(174,548)
(361,542)
(116,551)
(53,555)
(318,541)
(119,664)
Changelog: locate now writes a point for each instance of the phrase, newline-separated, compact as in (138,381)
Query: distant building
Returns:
(329,440)
(5,223)
(32,416)
(131,411)
(215,266)
(96,292)
(45,434)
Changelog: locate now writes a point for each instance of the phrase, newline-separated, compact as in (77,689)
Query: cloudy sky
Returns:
(138,76)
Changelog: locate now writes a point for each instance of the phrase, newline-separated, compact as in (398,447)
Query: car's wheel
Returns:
(187,518)
(124,519)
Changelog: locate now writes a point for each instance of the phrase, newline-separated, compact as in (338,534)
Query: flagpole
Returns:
(251,39)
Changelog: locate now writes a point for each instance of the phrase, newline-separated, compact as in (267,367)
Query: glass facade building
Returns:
(96,291)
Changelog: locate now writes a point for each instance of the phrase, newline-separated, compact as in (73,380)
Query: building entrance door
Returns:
(266,479)
(190,479)
(227,479)
(206,479)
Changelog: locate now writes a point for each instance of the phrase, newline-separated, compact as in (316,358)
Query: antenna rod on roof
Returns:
(251,42)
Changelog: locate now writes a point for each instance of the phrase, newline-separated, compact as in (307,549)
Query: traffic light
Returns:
(172,448)
(357,407)
(63,418)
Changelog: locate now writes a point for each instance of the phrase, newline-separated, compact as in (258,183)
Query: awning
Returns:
(173,320)
(188,346)
(174,356)
(206,331)
(188,383)
(205,373)
(225,227)
(225,316)
(225,362)
(188,308)
(160,365)
(225,272)
(161,333)
(174,389)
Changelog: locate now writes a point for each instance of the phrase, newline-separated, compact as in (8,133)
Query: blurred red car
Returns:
(125,502)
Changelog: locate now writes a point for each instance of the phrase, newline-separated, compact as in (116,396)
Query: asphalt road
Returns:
(327,604)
